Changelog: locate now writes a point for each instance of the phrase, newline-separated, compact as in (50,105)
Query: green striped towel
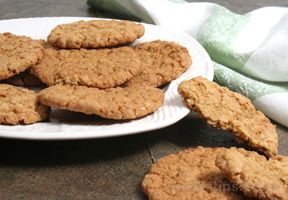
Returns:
(250,52)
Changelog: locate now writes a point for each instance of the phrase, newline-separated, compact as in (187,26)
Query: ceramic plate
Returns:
(69,125)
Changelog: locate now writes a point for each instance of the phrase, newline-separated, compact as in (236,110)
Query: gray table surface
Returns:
(101,168)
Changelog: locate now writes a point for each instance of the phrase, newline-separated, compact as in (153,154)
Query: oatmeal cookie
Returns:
(230,111)
(17,53)
(103,68)
(161,62)
(113,103)
(256,176)
(20,106)
(95,33)
(190,174)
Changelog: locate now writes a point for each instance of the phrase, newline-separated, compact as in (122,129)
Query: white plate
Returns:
(69,125)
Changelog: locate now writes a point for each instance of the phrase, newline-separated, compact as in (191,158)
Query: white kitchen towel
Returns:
(250,52)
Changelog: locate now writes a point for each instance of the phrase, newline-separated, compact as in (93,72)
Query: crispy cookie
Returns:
(25,78)
(95,33)
(161,62)
(20,106)
(190,174)
(113,103)
(254,175)
(104,68)
(230,111)
(17,53)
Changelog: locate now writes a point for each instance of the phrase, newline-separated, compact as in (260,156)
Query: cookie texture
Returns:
(95,33)
(104,68)
(20,106)
(190,174)
(161,62)
(24,79)
(17,53)
(230,111)
(254,175)
(114,103)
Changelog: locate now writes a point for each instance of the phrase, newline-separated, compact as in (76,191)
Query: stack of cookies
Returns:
(89,67)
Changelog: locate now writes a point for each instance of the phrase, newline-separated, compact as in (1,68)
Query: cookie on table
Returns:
(95,34)
(161,61)
(230,111)
(24,79)
(20,106)
(113,103)
(190,174)
(17,53)
(103,68)
(256,176)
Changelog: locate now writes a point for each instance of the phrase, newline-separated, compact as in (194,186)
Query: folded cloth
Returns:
(250,52)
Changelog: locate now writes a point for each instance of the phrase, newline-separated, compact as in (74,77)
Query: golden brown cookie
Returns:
(161,61)
(190,174)
(256,176)
(114,103)
(230,111)
(17,53)
(25,78)
(95,33)
(28,78)
(20,106)
(103,68)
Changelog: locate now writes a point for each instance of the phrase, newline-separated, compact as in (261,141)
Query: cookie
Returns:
(230,111)
(20,106)
(24,79)
(95,33)
(113,103)
(256,176)
(103,68)
(17,53)
(161,61)
(190,174)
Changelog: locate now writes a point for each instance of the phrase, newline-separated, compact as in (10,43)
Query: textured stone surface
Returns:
(107,168)
(64,170)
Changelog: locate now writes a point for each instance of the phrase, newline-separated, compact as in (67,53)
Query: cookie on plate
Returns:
(230,111)
(95,33)
(24,79)
(113,103)
(190,174)
(256,176)
(17,53)
(28,78)
(20,106)
(103,68)
(161,61)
